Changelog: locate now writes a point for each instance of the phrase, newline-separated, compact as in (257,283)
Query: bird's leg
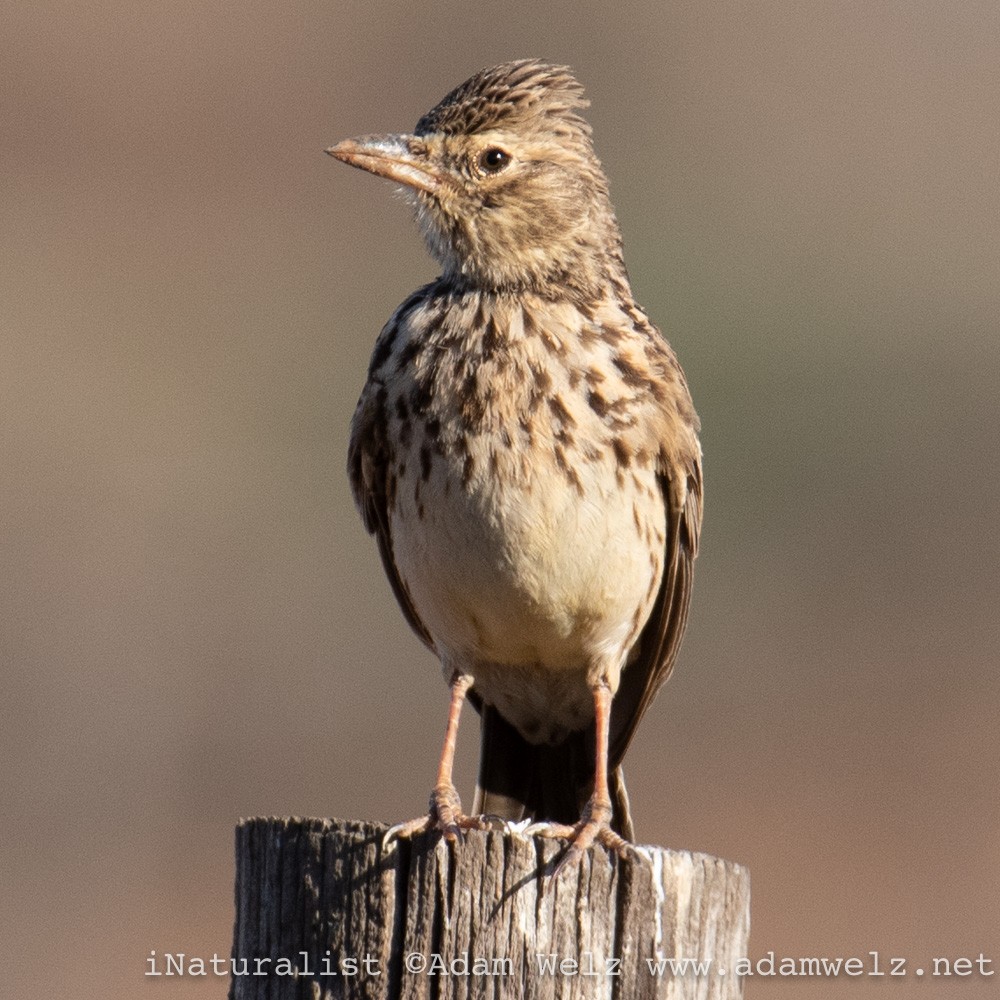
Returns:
(595,822)
(445,805)
(445,812)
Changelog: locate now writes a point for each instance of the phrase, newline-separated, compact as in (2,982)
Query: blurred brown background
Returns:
(194,625)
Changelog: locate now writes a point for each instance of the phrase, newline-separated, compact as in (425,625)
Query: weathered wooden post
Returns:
(323,912)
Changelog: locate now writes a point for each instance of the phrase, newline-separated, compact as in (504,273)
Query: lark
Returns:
(525,452)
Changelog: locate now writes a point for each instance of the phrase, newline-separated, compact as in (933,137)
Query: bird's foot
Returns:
(594,827)
(445,815)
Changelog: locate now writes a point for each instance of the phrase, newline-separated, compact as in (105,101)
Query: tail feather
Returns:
(518,779)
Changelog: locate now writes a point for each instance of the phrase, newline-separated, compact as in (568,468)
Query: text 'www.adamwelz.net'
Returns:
(873,964)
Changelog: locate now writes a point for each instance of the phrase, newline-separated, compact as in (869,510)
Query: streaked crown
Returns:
(515,94)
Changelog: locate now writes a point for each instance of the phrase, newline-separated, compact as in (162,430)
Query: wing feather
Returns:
(370,465)
(659,642)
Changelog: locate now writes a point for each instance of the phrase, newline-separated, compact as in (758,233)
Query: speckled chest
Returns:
(488,388)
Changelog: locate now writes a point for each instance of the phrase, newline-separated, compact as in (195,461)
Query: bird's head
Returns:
(508,191)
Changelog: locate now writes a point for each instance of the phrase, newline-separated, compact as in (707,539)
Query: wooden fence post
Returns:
(323,913)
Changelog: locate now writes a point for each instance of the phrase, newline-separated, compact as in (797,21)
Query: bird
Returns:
(526,453)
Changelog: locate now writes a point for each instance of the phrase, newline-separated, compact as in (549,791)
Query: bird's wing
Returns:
(370,470)
(660,640)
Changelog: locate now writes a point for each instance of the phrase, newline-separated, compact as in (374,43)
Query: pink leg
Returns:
(595,823)
(445,812)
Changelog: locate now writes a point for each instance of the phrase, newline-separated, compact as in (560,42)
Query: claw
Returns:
(594,827)
(490,821)
(444,815)
(404,831)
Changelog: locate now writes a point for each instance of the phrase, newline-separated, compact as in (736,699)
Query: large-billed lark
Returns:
(525,452)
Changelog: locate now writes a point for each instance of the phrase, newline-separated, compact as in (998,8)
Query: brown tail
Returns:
(518,779)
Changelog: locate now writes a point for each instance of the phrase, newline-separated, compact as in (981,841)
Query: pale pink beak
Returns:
(399,158)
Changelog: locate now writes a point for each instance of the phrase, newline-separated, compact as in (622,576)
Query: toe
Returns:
(552,831)
(404,831)
(444,814)
(594,827)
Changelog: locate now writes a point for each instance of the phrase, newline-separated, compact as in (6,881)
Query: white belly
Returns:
(536,589)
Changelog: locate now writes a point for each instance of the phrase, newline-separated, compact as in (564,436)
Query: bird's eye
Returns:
(493,160)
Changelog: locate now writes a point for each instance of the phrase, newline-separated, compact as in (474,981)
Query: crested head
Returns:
(508,191)
(526,93)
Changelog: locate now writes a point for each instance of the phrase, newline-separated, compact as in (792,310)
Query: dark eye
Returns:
(493,160)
